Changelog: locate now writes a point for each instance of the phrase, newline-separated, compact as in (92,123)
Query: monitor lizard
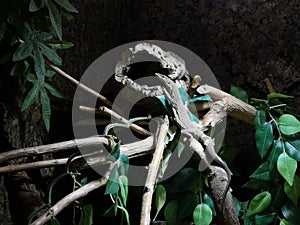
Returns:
(192,131)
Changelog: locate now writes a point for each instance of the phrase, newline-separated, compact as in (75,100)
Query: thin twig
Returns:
(33,165)
(68,199)
(153,172)
(84,87)
(51,148)
(118,117)
(132,150)
(89,110)
(269,85)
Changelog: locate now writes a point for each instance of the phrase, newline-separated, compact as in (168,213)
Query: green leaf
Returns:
(208,200)
(32,97)
(60,45)
(46,108)
(36,5)
(23,51)
(291,212)
(200,99)
(264,138)
(123,180)
(83,181)
(54,221)
(239,93)
(292,148)
(112,186)
(278,95)
(288,124)
(262,172)
(184,95)
(293,192)
(41,37)
(175,212)
(237,204)
(55,18)
(257,184)
(258,101)
(166,104)
(31,78)
(278,196)
(247,220)
(185,179)
(124,164)
(274,154)
(193,117)
(115,152)
(86,217)
(287,167)
(160,198)
(110,212)
(202,215)
(50,54)
(39,65)
(170,212)
(180,148)
(264,219)
(260,118)
(66,5)
(54,91)
(285,222)
(259,203)
(189,201)
(19,68)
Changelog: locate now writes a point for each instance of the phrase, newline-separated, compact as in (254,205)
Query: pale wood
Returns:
(153,173)
(233,106)
(76,82)
(124,121)
(68,199)
(33,165)
(53,148)
(132,150)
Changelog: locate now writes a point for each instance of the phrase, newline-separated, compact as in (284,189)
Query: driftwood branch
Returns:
(33,165)
(233,106)
(53,148)
(153,172)
(218,183)
(132,150)
(70,198)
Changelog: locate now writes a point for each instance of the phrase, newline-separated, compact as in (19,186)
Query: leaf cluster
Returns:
(277,177)
(30,35)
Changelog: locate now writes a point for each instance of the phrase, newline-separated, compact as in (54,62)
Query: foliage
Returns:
(29,40)
(276,178)
(117,184)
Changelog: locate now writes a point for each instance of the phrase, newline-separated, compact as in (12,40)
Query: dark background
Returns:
(243,42)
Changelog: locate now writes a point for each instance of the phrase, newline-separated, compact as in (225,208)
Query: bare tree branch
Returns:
(153,172)
(68,199)
(132,150)
(84,87)
(52,148)
(233,106)
(33,165)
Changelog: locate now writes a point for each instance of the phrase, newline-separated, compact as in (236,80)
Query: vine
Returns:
(33,31)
